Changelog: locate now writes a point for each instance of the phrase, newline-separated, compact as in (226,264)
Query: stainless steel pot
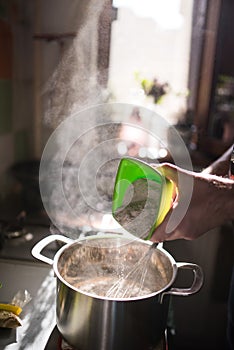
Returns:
(90,321)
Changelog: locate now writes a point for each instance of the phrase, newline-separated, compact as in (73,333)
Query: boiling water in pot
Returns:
(96,266)
(132,283)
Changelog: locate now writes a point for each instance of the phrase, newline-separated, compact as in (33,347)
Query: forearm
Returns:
(223,199)
(221,165)
(211,204)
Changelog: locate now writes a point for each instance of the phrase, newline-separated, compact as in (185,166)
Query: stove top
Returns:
(56,342)
(19,247)
(16,243)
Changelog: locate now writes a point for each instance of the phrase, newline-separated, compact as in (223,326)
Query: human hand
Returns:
(211,204)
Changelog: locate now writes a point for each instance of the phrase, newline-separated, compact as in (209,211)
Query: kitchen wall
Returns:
(44,75)
(16,99)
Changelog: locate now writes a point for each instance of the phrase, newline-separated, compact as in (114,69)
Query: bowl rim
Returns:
(107,236)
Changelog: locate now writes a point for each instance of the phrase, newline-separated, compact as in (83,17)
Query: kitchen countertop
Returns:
(38,316)
(39,330)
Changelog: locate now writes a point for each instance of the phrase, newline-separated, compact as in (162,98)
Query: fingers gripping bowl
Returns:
(87,268)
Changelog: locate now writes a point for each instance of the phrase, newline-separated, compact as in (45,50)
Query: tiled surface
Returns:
(6,147)
(13,148)
(5,48)
(21,146)
(16,92)
(14,132)
(6,159)
(5,106)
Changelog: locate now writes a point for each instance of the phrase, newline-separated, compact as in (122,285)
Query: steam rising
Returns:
(74,84)
(80,160)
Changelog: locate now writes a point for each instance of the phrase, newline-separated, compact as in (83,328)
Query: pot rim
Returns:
(146,296)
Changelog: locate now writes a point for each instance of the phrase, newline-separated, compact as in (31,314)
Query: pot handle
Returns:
(196,285)
(36,251)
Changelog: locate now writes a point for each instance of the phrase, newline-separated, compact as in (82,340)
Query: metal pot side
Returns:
(88,321)
(92,323)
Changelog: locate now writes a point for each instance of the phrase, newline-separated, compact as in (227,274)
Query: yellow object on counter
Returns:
(12,308)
